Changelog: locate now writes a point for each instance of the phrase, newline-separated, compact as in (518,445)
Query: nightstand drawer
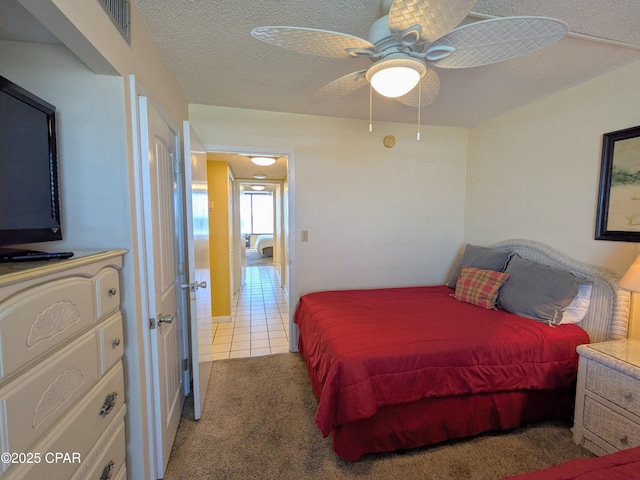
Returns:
(615,386)
(614,429)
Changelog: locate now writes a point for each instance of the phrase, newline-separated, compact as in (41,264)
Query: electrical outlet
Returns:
(305,236)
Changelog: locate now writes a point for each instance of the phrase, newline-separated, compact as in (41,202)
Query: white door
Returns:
(198,267)
(162,238)
(233,251)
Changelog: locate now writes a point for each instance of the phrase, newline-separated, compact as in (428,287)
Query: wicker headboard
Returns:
(608,314)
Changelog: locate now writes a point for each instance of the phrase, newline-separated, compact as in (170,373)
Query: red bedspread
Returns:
(371,348)
(623,465)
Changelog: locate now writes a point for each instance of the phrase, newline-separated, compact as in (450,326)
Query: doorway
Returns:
(259,223)
(260,322)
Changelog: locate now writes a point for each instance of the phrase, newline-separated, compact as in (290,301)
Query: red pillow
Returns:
(479,287)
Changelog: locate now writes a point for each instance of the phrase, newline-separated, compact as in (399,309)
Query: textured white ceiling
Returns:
(608,19)
(207,45)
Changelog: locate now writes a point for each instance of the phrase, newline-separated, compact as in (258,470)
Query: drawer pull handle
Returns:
(108,471)
(115,343)
(628,396)
(109,404)
(624,440)
(112,292)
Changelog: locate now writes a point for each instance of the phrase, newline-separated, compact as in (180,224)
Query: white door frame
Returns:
(143,397)
(290,227)
(278,227)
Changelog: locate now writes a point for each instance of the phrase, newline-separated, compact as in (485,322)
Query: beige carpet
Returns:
(258,423)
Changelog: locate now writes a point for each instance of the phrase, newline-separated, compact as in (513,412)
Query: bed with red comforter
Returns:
(623,465)
(399,368)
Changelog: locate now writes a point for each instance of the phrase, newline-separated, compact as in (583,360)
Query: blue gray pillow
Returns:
(537,291)
(484,258)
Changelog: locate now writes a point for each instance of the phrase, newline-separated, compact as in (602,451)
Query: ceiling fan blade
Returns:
(426,93)
(315,42)
(495,40)
(342,86)
(435,17)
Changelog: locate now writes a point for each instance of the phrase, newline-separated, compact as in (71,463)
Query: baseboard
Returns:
(224,319)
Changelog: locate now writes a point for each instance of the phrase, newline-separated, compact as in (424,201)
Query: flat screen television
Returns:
(29,197)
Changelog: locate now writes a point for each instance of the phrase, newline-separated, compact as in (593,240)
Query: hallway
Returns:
(259,319)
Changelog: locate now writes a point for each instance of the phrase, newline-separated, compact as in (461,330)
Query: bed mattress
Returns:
(371,349)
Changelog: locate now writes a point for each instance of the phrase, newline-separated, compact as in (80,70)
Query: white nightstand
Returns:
(607,416)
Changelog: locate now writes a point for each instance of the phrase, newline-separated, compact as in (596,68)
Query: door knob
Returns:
(165,318)
(193,286)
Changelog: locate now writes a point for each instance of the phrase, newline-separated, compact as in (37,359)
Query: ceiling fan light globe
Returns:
(395,75)
(395,82)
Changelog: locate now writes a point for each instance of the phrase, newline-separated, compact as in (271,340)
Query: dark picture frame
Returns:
(618,216)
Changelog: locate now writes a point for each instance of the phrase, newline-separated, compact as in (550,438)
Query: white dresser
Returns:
(607,416)
(61,377)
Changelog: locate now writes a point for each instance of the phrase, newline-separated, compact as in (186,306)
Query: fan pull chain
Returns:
(370,106)
(419,101)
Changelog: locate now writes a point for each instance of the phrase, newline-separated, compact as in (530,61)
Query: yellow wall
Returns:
(218,180)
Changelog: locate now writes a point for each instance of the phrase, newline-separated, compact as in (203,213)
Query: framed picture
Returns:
(618,215)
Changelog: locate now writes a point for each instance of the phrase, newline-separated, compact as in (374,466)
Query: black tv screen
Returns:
(29,199)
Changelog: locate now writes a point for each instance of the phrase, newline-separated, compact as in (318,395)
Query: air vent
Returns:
(119,11)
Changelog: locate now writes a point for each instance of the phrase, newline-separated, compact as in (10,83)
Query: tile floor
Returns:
(259,319)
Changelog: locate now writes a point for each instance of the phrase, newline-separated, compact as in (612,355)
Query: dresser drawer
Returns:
(32,403)
(615,386)
(618,431)
(107,288)
(77,433)
(111,342)
(39,319)
(106,458)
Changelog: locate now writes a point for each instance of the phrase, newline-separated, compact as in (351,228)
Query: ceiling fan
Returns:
(409,39)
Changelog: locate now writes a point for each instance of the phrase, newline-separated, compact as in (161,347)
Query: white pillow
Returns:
(577,309)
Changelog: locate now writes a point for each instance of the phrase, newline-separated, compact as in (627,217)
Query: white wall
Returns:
(94,182)
(375,216)
(533,173)
(91,142)
(87,31)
